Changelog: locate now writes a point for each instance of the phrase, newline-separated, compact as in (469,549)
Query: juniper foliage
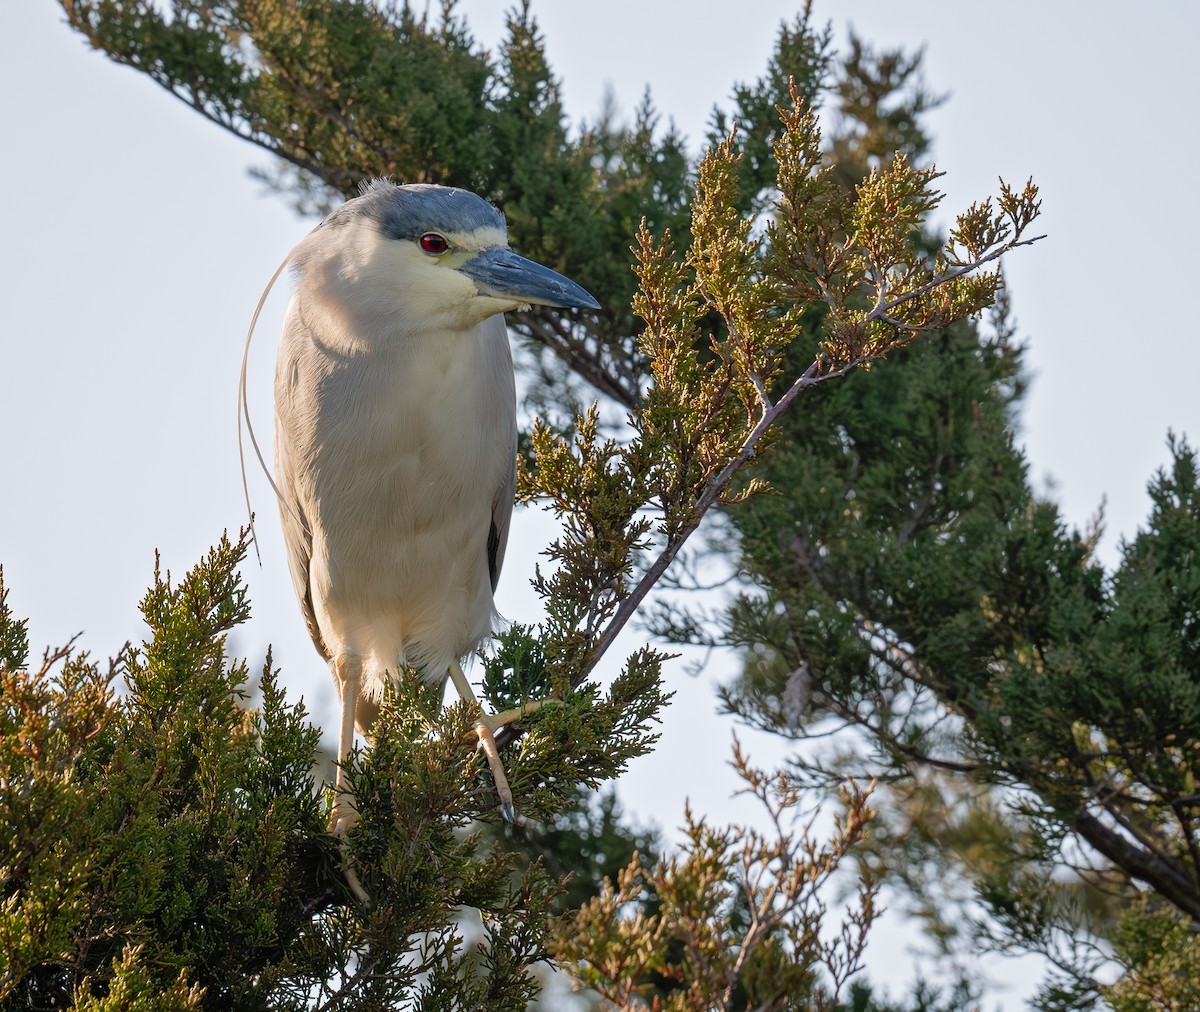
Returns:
(733,920)
(166,843)
(708,343)
(930,620)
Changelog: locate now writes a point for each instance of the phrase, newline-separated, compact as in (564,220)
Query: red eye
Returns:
(434,244)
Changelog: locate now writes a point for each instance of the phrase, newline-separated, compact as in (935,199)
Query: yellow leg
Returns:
(485,728)
(348,670)
(505,717)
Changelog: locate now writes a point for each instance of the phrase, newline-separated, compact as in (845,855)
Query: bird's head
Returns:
(425,258)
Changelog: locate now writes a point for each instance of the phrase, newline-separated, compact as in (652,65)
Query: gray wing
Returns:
(501,402)
(502,508)
(297,536)
(298,540)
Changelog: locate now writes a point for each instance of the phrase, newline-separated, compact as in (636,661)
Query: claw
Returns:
(487,742)
(486,727)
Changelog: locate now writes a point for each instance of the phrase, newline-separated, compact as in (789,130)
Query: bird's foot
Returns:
(343,819)
(487,742)
(495,721)
(486,728)
(344,816)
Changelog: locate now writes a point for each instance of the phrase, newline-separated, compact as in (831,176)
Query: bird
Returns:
(396,441)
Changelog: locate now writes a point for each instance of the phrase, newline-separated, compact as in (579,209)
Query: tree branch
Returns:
(543,327)
(1158,872)
(709,495)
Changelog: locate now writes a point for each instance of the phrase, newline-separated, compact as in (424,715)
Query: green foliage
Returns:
(165,848)
(900,502)
(132,986)
(585,736)
(47,722)
(917,591)
(861,256)
(151,840)
(732,920)
(917,602)
(709,401)
(290,91)
(1068,684)
(801,66)
(880,99)
(1163,951)
(581,845)
(14,633)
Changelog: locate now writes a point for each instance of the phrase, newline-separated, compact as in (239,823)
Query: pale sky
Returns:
(136,247)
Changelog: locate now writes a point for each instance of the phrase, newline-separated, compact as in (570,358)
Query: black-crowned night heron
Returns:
(396,437)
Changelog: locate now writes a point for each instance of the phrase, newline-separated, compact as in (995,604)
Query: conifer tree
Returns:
(196,872)
(937,625)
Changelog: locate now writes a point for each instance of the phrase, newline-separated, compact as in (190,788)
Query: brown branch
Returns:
(1160,873)
(587,363)
(881,309)
(709,495)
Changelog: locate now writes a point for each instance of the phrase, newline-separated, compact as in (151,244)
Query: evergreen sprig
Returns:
(733,920)
(709,402)
(165,847)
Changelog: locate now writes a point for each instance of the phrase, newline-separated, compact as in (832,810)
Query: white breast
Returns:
(396,452)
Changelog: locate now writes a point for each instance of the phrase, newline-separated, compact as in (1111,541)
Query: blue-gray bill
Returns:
(501,272)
